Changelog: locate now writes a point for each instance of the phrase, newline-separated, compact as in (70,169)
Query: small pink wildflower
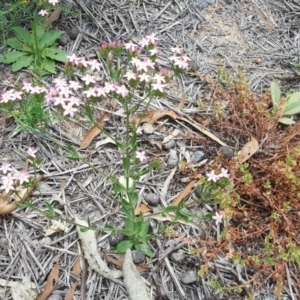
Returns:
(94,65)
(218,217)
(144,77)
(74,101)
(224,173)
(31,152)
(109,87)
(151,39)
(88,79)
(74,85)
(141,155)
(91,92)
(27,86)
(53,2)
(69,109)
(121,90)
(43,12)
(130,75)
(59,82)
(154,51)
(7,186)
(73,59)
(144,43)
(65,91)
(110,56)
(212,176)
(159,79)
(131,47)
(5,168)
(100,91)
(177,50)
(158,87)
(21,177)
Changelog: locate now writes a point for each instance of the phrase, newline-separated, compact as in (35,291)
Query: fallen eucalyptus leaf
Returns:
(91,254)
(133,281)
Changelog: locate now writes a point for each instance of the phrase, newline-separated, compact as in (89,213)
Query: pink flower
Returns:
(53,2)
(131,47)
(100,91)
(59,82)
(224,173)
(69,109)
(74,59)
(110,56)
(74,85)
(31,152)
(218,217)
(65,91)
(177,50)
(5,168)
(121,90)
(38,90)
(141,155)
(73,101)
(43,12)
(88,79)
(91,92)
(142,66)
(94,65)
(154,51)
(151,39)
(109,87)
(21,177)
(212,176)
(159,79)
(27,86)
(7,186)
(144,42)
(11,95)
(130,75)
(158,87)
(144,77)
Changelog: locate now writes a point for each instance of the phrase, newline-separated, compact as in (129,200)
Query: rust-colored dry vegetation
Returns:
(262,232)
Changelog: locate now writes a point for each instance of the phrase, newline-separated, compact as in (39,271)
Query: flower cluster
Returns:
(139,72)
(215,177)
(10,177)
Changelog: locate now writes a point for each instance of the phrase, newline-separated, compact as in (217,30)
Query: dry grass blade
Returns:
(51,282)
(182,102)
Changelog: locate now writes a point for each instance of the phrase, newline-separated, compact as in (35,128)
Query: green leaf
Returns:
(49,38)
(286,121)
(55,54)
(22,34)
(48,65)
(144,248)
(123,246)
(129,227)
(170,208)
(293,98)
(292,108)
(22,62)
(15,43)
(144,230)
(40,32)
(275,94)
(11,57)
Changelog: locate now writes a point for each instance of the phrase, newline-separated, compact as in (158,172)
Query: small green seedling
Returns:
(35,50)
(288,106)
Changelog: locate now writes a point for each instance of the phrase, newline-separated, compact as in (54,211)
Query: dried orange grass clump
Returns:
(266,223)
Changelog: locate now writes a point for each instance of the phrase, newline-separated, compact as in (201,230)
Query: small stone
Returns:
(197,156)
(227,152)
(152,199)
(73,33)
(228,1)
(138,257)
(168,145)
(189,277)
(173,159)
(148,128)
(64,40)
(178,256)
(116,238)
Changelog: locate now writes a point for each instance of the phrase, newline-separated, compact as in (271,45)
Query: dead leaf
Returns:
(56,226)
(186,191)
(119,262)
(133,281)
(91,254)
(51,282)
(54,16)
(152,116)
(8,202)
(247,151)
(206,132)
(141,209)
(108,140)
(94,131)
(76,270)
(182,102)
